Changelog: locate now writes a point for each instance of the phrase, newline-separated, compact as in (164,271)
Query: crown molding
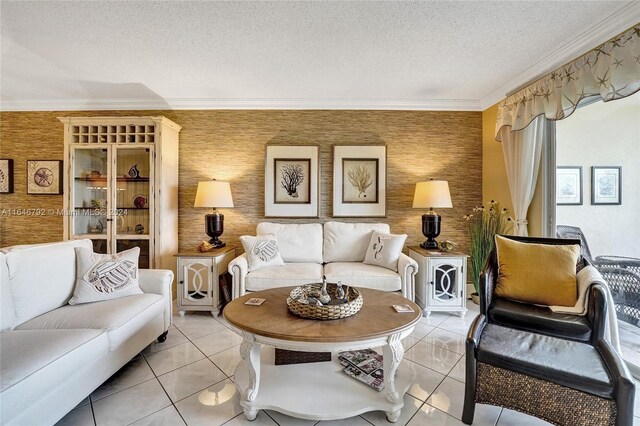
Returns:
(626,17)
(249,104)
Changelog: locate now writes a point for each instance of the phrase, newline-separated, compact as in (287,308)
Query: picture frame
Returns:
(44,177)
(360,181)
(606,185)
(292,181)
(6,176)
(569,185)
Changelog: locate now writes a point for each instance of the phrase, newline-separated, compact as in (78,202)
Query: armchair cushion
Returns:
(539,319)
(537,273)
(563,362)
(363,275)
(384,250)
(283,276)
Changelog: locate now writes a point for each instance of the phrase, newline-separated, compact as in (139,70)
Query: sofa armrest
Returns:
(407,269)
(238,268)
(159,281)
(597,312)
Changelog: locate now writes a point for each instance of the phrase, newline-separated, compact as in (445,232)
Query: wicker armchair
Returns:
(622,273)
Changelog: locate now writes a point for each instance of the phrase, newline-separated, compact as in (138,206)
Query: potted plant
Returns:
(483,225)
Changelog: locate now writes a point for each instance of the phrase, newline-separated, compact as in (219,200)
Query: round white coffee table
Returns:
(319,391)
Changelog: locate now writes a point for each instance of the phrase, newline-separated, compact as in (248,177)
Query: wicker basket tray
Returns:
(333,310)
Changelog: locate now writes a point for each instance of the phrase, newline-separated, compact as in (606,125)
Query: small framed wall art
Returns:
(44,177)
(292,178)
(569,185)
(359,181)
(6,176)
(606,185)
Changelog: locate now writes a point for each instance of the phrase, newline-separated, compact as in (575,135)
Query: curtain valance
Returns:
(610,71)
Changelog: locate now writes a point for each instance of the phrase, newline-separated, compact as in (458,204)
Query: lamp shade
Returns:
(213,194)
(432,193)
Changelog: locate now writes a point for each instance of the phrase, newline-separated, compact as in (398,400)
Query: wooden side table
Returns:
(199,277)
(441,281)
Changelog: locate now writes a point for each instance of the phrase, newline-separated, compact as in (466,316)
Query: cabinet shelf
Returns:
(119,179)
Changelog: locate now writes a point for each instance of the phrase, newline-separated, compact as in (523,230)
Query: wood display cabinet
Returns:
(199,277)
(121,185)
(441,281)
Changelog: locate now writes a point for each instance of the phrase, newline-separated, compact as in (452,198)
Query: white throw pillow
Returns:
(261,251)
(384,250)
(105,276)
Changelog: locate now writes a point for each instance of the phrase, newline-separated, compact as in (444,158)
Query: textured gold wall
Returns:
(230,145)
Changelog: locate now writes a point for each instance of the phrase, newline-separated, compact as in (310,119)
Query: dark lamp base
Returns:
(216,242)
(429,245)
(214,227)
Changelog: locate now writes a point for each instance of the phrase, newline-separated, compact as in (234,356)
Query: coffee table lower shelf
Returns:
(317,391)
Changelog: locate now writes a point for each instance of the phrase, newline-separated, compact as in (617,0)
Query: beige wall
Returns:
(494,175)
(604,134)
(230,145)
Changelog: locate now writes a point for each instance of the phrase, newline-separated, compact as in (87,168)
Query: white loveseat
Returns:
(53,355)
(335,249)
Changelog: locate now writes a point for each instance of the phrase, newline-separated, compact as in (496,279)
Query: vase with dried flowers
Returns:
(484,224)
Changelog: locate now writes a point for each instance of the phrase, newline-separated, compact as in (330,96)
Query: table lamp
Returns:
(214,194)
(430,194)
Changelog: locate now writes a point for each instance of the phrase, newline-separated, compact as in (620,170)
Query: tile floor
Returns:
(188,379)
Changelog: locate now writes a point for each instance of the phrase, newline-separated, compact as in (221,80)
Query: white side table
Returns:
(198,279)
(441,281)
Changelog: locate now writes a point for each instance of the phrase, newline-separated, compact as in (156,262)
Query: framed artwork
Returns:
(44,177)
(606,185)
(360,181)
(291,181)
(569,185)
(6,176)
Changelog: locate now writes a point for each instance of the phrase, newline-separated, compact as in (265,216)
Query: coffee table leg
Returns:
(392,353)
(250,354)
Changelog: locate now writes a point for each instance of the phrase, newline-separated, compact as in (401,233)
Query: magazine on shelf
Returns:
(365,366)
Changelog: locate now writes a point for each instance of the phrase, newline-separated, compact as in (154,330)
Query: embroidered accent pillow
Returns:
(384,250)
(105,276)
(261,251)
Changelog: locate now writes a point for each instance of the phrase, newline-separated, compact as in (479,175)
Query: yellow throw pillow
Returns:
(537,273)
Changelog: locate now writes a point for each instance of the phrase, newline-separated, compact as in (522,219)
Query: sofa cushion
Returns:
(6,300)
(384,250)
(105,276)
(36,361)
(539,319)
(362,275)
(283,276)
(298,243)
(121,318)
(348,242)
(563,362)
(262,251)
(42,277)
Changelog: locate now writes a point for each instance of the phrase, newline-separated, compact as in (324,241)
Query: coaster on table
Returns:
(403,308)
(254,301)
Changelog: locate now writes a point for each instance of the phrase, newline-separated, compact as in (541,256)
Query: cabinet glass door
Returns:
(133,200)
(446,283)
(89,203)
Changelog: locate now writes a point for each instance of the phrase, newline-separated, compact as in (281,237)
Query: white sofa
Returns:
(335,249)
(53,355)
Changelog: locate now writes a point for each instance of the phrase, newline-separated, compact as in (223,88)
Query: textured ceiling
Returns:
(65,55)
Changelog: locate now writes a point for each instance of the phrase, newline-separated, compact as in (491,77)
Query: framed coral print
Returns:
(359,181)
(569,185)
(292,176)
(44,177)
(606,185)
(6,176)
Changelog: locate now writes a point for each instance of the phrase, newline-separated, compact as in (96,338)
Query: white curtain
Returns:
(522,150)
